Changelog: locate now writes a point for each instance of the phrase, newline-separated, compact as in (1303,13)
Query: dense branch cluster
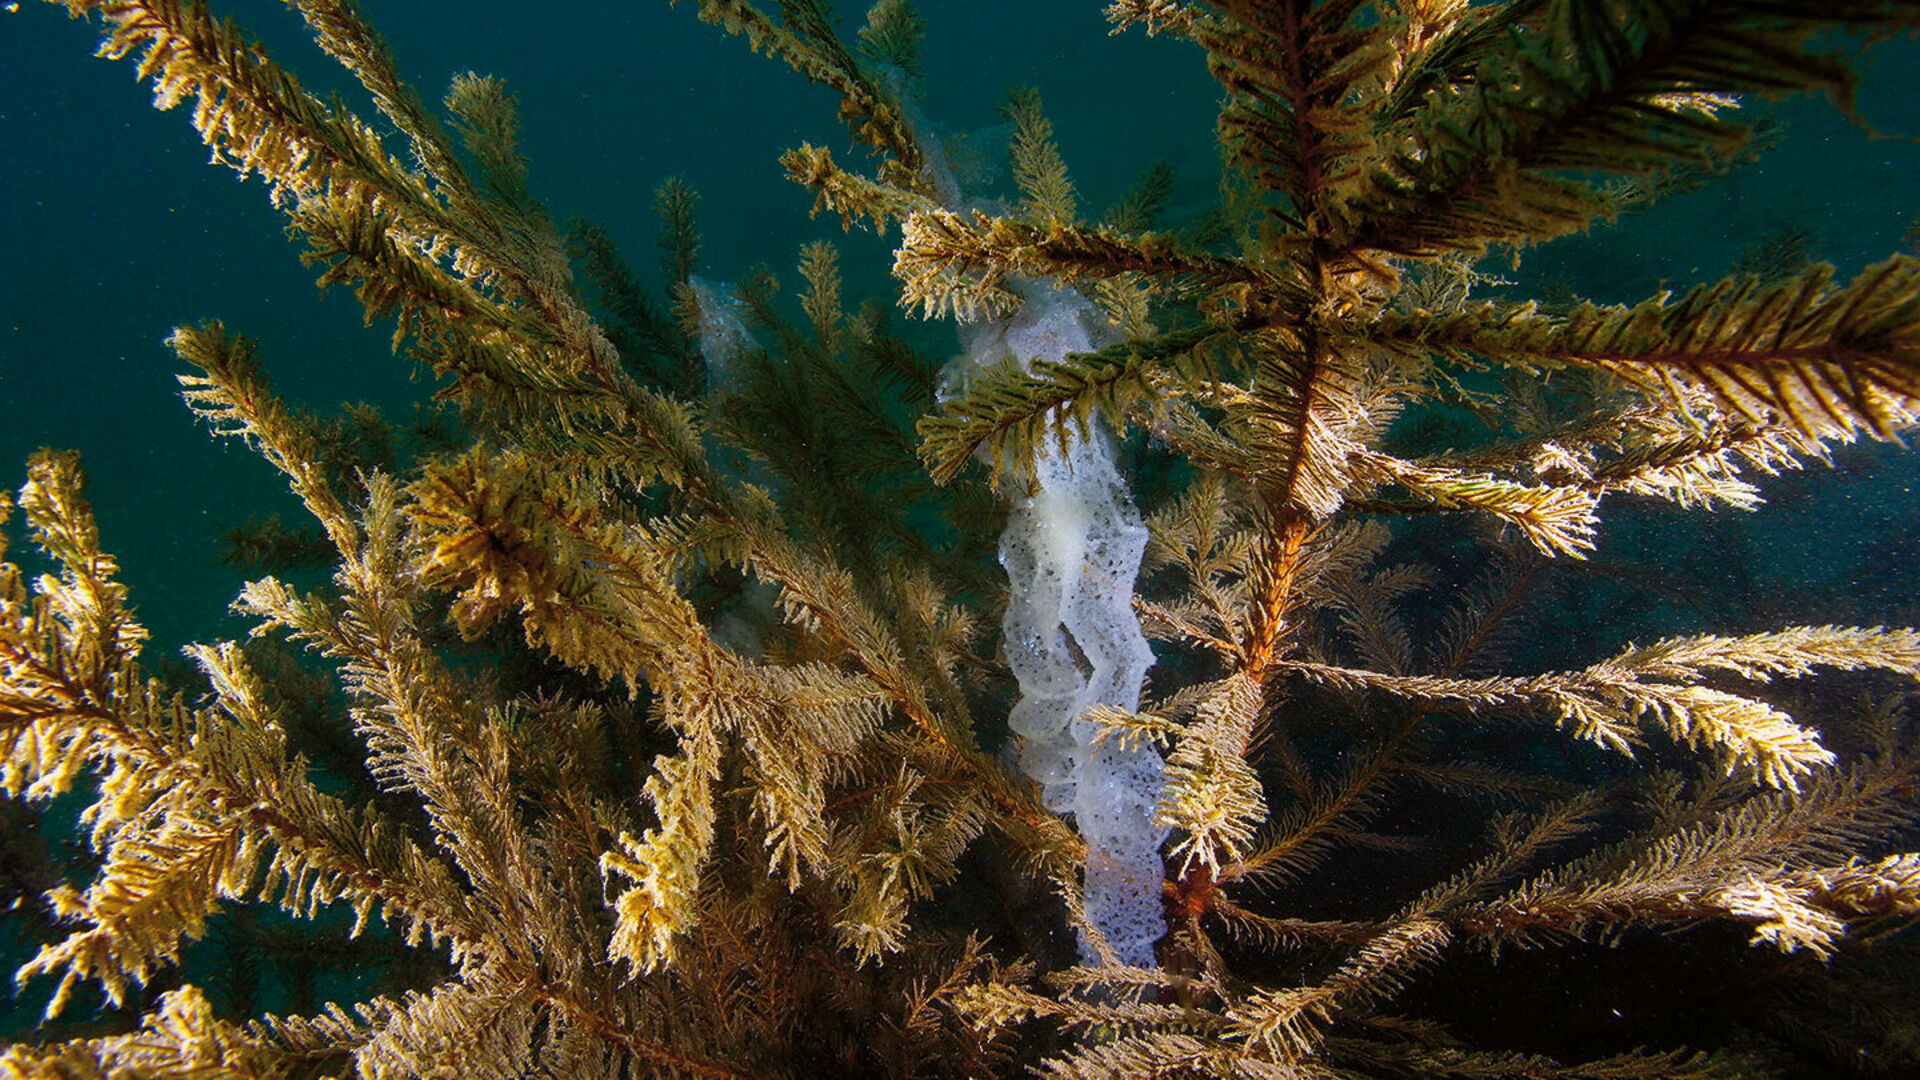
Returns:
(668,714)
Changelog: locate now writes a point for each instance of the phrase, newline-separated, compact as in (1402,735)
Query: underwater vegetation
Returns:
(1173,647)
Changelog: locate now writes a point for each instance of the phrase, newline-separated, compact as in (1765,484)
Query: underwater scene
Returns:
(1098,538)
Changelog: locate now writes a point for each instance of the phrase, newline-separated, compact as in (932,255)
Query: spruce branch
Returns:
(1800,355)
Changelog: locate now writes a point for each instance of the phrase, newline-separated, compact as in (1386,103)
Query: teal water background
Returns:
(114,229)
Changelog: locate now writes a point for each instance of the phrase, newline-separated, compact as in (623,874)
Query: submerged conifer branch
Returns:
(1661,684)
(805,40)
(950,262)
(1798,354)
(194,803)
(1016,413)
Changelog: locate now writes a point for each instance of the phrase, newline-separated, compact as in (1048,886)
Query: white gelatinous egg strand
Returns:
(1072,551)
(724,337)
